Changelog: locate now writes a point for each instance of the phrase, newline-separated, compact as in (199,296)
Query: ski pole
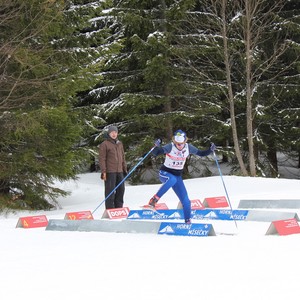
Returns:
(131,171)
(216,159)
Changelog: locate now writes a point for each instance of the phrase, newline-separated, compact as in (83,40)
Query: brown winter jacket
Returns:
(112,156)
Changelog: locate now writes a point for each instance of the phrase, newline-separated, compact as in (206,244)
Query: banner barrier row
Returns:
(282,223)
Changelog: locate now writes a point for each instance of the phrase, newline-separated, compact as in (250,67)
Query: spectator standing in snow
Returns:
(170,173)
(113,168)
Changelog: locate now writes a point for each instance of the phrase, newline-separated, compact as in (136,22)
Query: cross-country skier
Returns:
(170,173)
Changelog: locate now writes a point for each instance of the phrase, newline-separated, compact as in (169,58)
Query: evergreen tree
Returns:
(278,104)
(188,64)
(94,34)
(145,89)
(248,46)
(38,79)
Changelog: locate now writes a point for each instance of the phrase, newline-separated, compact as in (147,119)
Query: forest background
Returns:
(224,71)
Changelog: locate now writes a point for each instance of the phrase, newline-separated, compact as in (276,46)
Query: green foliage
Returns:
(37,148)
(170,70)
(39,130)
(148,67)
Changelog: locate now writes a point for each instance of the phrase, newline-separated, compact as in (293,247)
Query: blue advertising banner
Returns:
(204,214)
(156,214)
(220,214)
(171,228)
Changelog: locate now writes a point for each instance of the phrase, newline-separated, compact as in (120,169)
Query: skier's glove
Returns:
(212,147)
(157,142)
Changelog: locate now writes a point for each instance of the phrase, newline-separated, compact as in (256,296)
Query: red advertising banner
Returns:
(195,204)
(116,213)
(284,227)
(215,202)
(80,215)
(161,206)
(32,221)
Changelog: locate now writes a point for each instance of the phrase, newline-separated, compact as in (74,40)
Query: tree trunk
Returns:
(168,108)
(166,92)
(249,87)
(4,187)
(230,94)
(272,157)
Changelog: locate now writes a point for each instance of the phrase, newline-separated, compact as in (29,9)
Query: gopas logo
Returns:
(117,213)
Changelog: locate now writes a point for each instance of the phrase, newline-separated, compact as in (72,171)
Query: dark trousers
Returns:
(115,200)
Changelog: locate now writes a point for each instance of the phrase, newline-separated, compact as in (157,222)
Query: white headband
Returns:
(179,138)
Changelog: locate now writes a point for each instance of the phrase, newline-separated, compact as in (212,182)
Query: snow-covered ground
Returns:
(41,264)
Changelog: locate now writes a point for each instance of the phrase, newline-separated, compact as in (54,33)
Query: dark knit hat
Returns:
(112,128)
